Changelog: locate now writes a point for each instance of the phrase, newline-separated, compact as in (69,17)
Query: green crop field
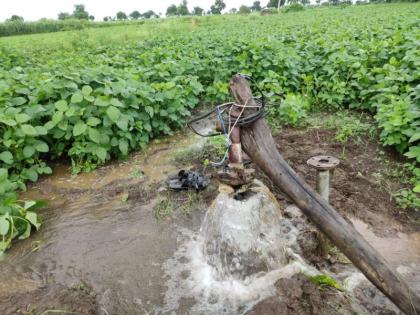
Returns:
(98,93)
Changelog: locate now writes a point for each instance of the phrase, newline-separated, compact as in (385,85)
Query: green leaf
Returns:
(29,173)
(93,121)
(115,102)
(79,128)
(57,117)
(122,123)
(86,90)
(61,105)
(32,217)
(9,122)
(414,137)
(414,153)
(77,98)
(94,135)
(3,174)
(29,130)
(49,125)
(101,101)
(22,118)
(27,231)
(113,113)
(19,101)
(28,151)
(416,189)
(149,110)
(101,153)
(41,147)
(123,146)
(41,130)
(6,157)
(4,225)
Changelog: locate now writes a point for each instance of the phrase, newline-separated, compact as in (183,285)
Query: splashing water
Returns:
(243,248)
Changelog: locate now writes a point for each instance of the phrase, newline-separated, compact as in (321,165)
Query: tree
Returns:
(256,6)
(80,12)
(243,9)
(275,3)
(171,10)
(217,7)
(135,15)
(183,8)
(105,19)
(121,15)
(233,10)
(15,18)
(197,11)
(63,16)
(91,17)
(150,14)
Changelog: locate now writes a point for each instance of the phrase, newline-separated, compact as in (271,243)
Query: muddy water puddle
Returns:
(398,248)
(91,235)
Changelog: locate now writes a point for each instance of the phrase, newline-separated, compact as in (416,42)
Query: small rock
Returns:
(292,212)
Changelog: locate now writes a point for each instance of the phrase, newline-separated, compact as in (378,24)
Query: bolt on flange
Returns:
(323,164)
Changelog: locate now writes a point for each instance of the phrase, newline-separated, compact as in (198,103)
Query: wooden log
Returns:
(259,144)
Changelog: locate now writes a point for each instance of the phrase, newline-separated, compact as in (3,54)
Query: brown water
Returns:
(91,235)
(398,248)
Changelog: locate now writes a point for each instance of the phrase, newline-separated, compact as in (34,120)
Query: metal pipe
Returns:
(323,164)
(323,184)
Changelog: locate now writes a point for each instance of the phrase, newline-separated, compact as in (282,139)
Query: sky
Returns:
(32,10)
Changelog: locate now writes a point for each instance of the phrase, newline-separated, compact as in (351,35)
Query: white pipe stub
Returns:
(323,162)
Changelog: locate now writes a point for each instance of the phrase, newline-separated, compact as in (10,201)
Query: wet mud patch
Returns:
(360,187)
(298,295)
(51,299)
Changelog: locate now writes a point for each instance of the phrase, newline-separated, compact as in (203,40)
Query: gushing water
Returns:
(242,249)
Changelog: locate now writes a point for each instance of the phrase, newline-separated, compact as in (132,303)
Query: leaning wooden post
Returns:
(258,143)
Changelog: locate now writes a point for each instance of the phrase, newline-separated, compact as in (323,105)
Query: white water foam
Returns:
(190,276)
(243,247)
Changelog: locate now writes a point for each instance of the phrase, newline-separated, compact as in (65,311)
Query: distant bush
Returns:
(268,11)
(294,7)
(17,27)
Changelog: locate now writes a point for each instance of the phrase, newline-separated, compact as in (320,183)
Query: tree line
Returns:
(80,13)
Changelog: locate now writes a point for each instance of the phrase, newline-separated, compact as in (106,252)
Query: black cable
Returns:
(242,121)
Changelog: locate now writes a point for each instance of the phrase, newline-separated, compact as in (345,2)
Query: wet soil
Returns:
(102,230)
(52,299)
(298,295)
(360,187)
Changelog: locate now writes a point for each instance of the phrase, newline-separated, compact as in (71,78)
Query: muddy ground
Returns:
(360,185)
(106,234)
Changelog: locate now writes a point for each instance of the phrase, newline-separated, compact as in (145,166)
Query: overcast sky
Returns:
(35,9)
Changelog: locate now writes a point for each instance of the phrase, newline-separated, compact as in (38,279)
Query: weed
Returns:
(347,125)
(323,281)
(124,197)
(164,207)
(136,173)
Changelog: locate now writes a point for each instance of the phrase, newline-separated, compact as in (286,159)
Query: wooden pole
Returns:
(259,144)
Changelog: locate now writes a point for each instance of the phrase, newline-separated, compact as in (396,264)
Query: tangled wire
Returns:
(224,112)
(228,120)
